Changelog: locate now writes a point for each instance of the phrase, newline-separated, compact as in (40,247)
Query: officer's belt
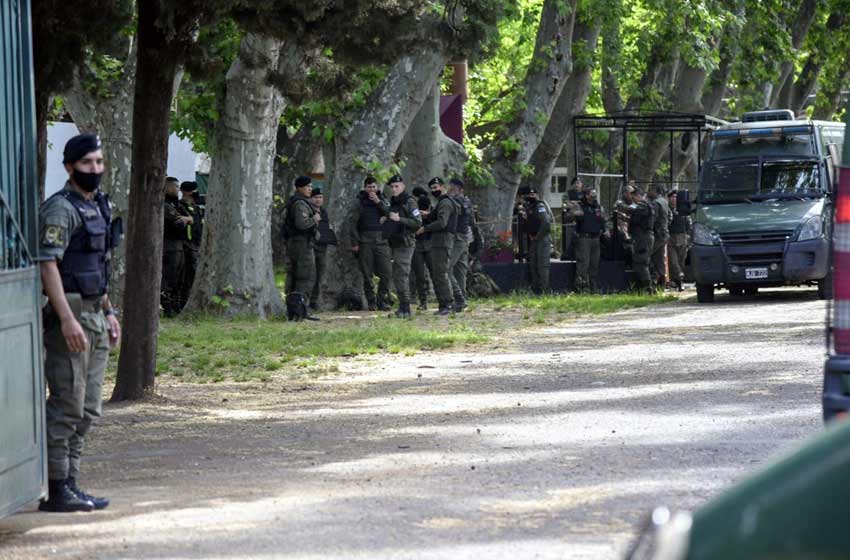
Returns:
(91,305)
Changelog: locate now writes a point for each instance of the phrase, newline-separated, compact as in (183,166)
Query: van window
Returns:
(750,181)
(754,146)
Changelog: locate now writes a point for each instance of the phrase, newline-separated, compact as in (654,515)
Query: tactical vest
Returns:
(464,220)
(84,267)
(326,234)
(370,216)
(679,223)
(642,220)
(451,226)
(592,222)
(289,229)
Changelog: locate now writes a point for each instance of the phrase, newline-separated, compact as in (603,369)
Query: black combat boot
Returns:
(423,305)
(459,306)
(63,499)
(99,503)
(443,311)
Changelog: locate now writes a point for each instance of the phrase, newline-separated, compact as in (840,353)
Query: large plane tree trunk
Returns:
(547,74)
(374,137)
(111,116)
(236,274)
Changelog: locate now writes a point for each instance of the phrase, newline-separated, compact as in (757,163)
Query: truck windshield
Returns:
(754,146)
(753,181)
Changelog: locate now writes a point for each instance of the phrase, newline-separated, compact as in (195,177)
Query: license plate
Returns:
(755,273)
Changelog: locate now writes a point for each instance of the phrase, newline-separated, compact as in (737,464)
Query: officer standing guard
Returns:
(677,246)
(641,222)
(194,231)
(79,323)
(539,226)
(459,261)
(400,226)
(660,235)
(300,229)
(442,229)
(590,226)
(326,238)
(175,235)
(422,266)
(367,241)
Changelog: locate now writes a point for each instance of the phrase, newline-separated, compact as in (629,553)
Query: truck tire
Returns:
(751,291)
(736,291)
(825,286)
(705,293)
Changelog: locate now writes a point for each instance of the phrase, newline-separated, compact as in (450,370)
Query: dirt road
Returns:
(549,443)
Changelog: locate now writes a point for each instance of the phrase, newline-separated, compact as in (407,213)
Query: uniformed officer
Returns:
(661,233)
(79,323)
(327,237)
(300,230)
(175,235)
(422,267)
(367,240)
(442,229)
(590,227)
(641,222)
(539,227)
(677,246)
(459,261)
(400,226)
(192,245)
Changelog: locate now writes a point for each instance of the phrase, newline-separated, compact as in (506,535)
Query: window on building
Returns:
(560,181)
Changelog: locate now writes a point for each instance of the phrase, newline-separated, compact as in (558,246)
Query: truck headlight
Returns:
(703,235)
(811,229)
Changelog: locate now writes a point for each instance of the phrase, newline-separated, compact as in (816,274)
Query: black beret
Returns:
(370,181)
(395,179)
(457,182)
(316,191)
(435,181)
(302,181)
(532,190)
(188,186)
(525,189)
(419,191)
(79,146)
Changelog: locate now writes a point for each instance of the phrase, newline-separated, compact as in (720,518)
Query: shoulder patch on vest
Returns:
(541,209)
(416,212)
(53,236)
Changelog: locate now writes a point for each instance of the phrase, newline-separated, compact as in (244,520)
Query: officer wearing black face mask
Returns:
(177,231)
(79,323)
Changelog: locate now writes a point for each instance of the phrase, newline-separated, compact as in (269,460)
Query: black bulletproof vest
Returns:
(326,234)
(289,229)
(84,266)
(679,223)
(464,211)
(370,216)
(642,219)
(592,222)
(451,227)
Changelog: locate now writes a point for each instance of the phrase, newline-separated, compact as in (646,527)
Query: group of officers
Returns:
(183,217)
(405,240)
(653,225)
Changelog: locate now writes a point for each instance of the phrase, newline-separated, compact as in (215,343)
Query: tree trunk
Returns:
(426,150)
(374,137)
(829,99)
(571,102)
(547,75)
(111,116)
(159,57)
(784,87)
(236,275)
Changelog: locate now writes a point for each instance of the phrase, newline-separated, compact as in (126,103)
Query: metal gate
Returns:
(23,466)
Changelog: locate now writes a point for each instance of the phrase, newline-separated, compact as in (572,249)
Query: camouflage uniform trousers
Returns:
(659,259)
(173,260)
(402,257)
(376,260)
(300,266)
(641,253)
(421,272)
(75,382)
(442,285)
(587,263)
(677,252)
(320,253)
(539,252)
(458,269)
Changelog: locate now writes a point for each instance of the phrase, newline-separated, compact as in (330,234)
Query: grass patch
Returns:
(250,349)
(535,307)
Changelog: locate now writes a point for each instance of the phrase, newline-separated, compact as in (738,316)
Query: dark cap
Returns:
(78,146)
(316,191)
(523,190)
(395,179)
(302,181)
(419,191)
(188,186)
(456,182)
(171,179)
(370,181)
(435,181)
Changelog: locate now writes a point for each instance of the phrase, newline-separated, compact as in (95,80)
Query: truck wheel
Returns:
(736,291)
(825,286)
(751,291)
(705,293)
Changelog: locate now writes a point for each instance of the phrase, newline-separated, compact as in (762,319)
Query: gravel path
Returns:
(553,444)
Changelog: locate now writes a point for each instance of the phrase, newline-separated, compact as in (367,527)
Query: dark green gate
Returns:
(23,473)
